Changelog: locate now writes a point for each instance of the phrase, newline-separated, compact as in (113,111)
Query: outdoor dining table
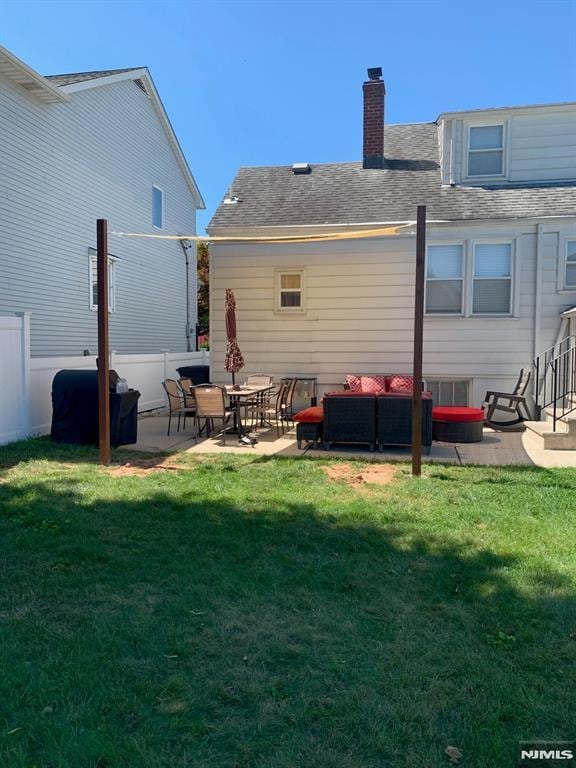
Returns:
(239,395)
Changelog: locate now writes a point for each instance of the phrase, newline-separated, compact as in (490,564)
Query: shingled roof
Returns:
(336,193)
(80,77)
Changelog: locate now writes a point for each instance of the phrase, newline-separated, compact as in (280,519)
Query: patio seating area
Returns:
(496,448)
(369,419)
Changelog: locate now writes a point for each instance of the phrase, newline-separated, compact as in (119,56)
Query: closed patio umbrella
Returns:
(233,360)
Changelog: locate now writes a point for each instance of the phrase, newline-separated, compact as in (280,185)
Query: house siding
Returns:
(360,309)
(542,147)
(539,145)
(64,165)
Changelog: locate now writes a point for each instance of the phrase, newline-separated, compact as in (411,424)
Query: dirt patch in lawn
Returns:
(374,474)
(142,467)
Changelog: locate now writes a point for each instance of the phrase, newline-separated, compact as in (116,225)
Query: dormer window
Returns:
(486,150)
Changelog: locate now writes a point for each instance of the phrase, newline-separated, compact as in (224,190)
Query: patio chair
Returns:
(259,380)
(508,402)
(185,386)
(211,404)
(264,398)
(268,411)
(287,407)
(177,404)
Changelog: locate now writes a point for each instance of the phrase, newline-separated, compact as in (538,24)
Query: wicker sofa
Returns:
(375,410)
(370,419)
(349,417)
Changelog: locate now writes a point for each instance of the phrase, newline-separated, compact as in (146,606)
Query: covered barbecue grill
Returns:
(198,374)
(75,410)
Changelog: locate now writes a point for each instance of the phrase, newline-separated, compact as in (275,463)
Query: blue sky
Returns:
(260,83)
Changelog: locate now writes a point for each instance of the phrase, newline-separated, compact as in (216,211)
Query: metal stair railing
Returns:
(555,379)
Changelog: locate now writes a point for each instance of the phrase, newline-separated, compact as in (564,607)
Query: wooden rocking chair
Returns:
(509,402)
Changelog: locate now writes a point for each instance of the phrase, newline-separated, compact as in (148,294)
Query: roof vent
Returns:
(140,83)
(300,168)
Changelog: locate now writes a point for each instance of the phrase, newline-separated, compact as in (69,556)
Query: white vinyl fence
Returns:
(14,376)
(26,383)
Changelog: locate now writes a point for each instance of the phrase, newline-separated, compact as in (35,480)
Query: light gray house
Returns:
(75,148)
(500,190)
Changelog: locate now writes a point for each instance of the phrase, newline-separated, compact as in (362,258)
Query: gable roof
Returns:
(80,81)
(346,193)
(55,88)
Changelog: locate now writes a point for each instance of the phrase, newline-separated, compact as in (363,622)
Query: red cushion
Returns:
(457,414)
(353,383)
(399,381)
(374,384)
(310,415)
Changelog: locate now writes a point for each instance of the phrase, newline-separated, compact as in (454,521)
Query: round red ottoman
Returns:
(452,424)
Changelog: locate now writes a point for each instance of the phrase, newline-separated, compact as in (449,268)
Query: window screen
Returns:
(486,150)
(444,279)
(492,282)
(570,275)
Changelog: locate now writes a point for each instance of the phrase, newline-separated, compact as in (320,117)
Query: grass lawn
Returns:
(249,613)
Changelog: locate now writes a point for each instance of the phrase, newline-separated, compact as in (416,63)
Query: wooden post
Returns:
(418,341)
(103,342)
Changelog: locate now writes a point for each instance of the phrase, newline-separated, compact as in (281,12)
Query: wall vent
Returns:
(140,83)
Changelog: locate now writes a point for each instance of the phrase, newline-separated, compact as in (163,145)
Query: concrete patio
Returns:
(497,448)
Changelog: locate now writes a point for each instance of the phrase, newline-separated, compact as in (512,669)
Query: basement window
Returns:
(453,393)
(486,150)
(290,290)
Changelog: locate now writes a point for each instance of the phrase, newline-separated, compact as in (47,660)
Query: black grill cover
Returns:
(75,410)
(200,374)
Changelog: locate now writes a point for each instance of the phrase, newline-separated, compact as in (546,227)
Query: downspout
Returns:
(538,291)
(185,246)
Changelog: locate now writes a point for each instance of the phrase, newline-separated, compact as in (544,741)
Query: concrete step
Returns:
(549,413)
(564,439)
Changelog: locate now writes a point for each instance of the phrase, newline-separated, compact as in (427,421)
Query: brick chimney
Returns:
(374,92)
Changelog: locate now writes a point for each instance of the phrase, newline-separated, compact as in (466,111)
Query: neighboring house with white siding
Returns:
(75,148)
(500,190)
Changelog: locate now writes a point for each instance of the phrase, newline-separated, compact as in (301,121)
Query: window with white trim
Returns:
(453,393)
(290,290)
(570,265)
(486,150)
(492,279)
(444,279)
(471,278)
(94,282)
(157,207)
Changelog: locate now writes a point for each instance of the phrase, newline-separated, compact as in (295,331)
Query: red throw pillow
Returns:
(373,384)
(400,382)
(353,383)
(312,415)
